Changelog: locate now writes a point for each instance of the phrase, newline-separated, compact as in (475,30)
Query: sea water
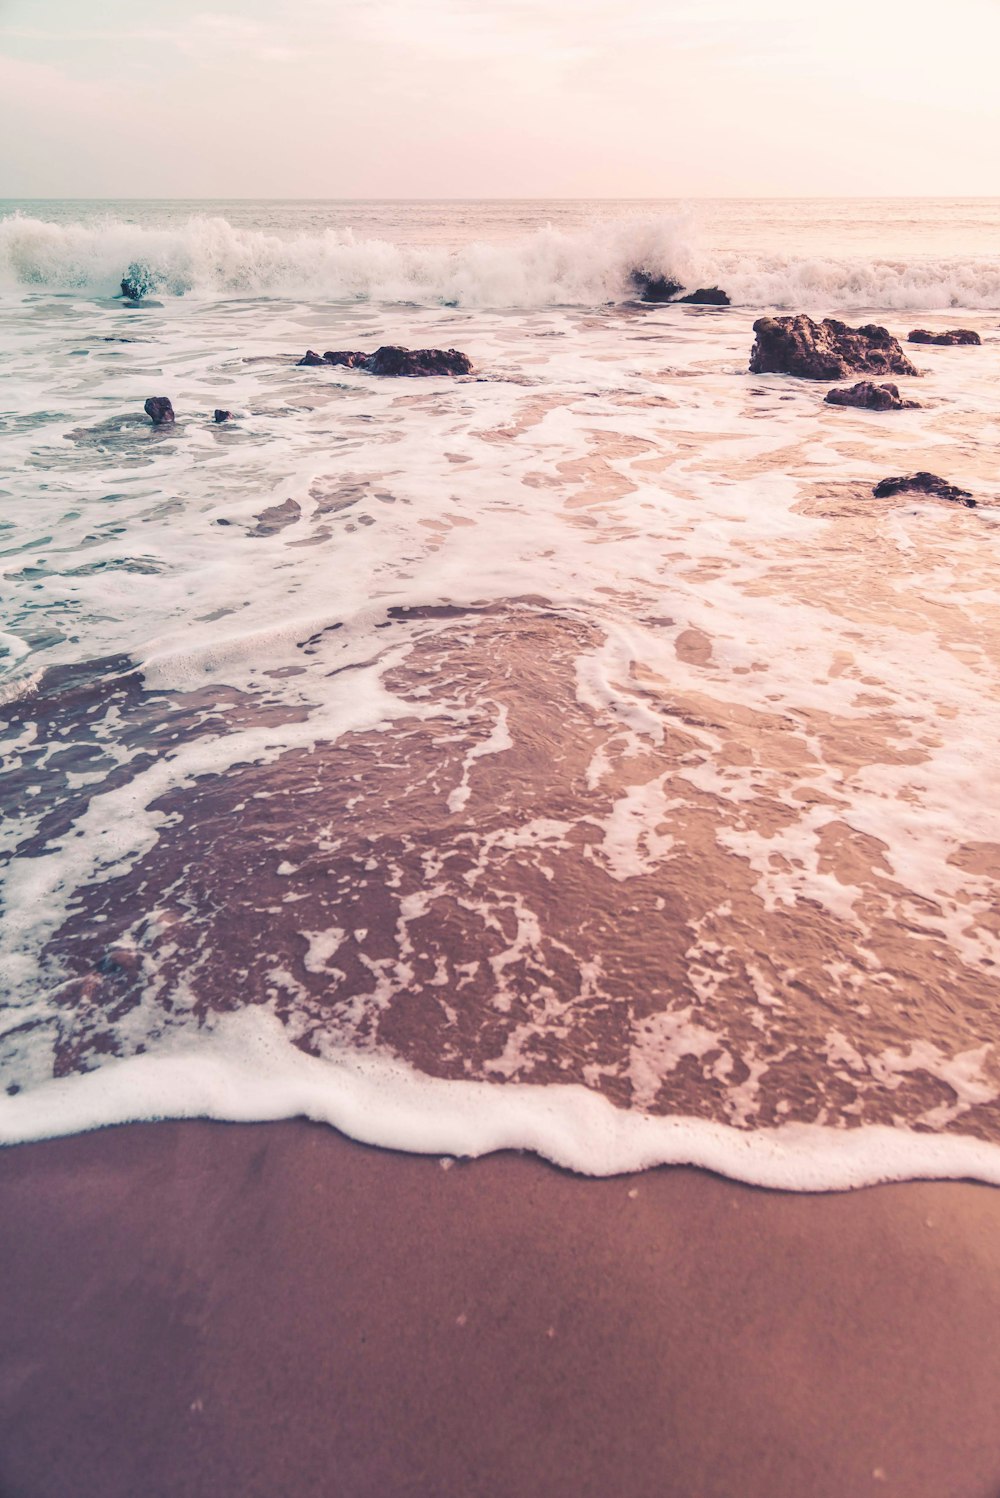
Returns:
(572,756)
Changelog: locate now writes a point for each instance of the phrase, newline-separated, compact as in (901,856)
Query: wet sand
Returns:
(225,1311)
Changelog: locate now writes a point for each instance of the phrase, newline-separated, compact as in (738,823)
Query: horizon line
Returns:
(531,198)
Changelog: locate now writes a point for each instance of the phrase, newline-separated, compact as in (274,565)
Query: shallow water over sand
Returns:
(585,721)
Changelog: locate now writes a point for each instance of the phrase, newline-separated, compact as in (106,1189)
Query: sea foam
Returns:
(246,1070)
(208,257)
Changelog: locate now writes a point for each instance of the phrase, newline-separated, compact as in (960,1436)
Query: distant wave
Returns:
(208,257)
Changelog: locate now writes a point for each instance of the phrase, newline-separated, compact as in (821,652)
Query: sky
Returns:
(499,98)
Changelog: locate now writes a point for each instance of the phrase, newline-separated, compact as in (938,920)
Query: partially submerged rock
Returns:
(159,410)
(706,296)
(828,350)
(391,359)
(137,282)
(870,397)
(346,358)
(349,358)
(221,415)
(952,336)
(923,483)
(650,288)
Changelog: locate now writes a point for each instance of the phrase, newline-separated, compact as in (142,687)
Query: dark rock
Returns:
(346,358)
(159,410)
(706,296)
(137,282)
(871,397)
(828,350)
(650,288)
(953,336)
(392,360)
(922,483)
(221,415)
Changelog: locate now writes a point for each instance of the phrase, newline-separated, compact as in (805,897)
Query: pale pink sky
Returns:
(498,98)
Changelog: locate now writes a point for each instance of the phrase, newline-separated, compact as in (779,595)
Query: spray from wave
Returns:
(209,257)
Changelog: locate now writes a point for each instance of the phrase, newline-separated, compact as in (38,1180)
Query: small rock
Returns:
(312,358)
(953,336)
(221,415)
(828,350)
(923,483)
(159,410)
(652,288)
(137,282)
(870,397)
(706,296)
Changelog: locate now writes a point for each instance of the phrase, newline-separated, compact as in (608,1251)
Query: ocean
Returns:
(573,756)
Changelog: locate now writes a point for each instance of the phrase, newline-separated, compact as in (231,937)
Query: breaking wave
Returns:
(209,257)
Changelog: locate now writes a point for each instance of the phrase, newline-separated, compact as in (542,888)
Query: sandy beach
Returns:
(242,1310)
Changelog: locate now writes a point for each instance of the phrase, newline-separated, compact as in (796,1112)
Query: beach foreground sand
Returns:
(225,1311)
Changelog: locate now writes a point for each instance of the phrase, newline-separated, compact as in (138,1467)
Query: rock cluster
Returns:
(923,483)
(650,288)
(828,350)
(870,397)
(953,336)
(393,360)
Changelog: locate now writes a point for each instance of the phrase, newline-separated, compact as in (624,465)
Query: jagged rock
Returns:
(221,415)
(828,350)
(392,360)
(346,358)
(137,282)
(159,410)
(953,336)
(652,288)
(706,296)
(870,397)
(923,483)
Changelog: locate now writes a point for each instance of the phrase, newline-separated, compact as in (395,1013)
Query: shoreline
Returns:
(249,1073)
(207,1308)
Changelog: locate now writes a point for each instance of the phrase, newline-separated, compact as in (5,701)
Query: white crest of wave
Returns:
(209,257)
